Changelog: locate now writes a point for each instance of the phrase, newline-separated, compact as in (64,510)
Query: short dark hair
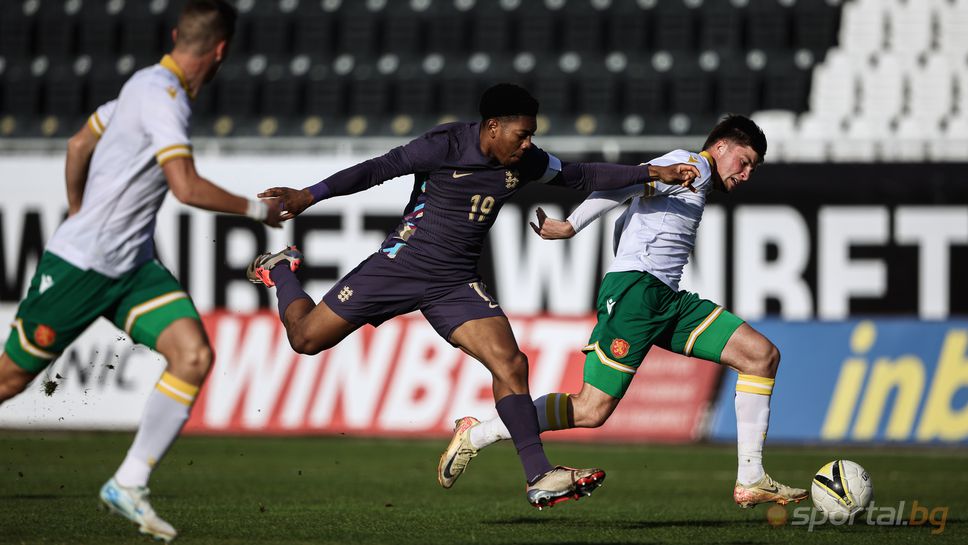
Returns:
(507,100)
(741,130)
(204,23)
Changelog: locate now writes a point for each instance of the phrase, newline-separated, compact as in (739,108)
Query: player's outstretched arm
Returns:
(354,179)
(607,176)
(423,154)
(191,189)
(80,148)
(681,174)
(592,208)
(351,180)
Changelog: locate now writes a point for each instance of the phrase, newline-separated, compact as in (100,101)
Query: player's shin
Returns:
(518,414)
(752,420)
(165,413)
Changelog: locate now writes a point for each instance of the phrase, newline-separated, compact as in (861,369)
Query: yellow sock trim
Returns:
(177,389)
(753,384)
(550,413)
(556,411)
(562,408)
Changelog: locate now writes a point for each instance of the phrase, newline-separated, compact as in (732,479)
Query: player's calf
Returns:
(765,360)
(590,408)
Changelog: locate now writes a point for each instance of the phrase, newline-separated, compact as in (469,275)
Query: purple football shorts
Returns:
(380,288)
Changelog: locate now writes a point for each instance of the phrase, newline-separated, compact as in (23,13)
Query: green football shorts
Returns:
(63,301)
(635,311)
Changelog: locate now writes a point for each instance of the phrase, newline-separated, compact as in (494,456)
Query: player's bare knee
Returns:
(305,344)
(192,363)
(326,343)
(204,358)
(765,360)
(774,359)
(305,340)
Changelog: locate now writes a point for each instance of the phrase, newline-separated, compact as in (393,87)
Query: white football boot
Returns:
(562,484)
(766,490)
(459,452)
(132,503)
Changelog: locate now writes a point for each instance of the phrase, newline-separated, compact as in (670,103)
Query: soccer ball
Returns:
(842,488)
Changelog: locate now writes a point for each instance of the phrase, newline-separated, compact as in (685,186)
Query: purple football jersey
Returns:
(456,196)
(429,262)
(458,192)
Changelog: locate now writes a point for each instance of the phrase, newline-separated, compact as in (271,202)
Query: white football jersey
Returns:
(146,126)
(99,119)
(658,231)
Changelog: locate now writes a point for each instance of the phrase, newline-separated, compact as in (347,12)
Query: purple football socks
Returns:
(288,288)
(517,413)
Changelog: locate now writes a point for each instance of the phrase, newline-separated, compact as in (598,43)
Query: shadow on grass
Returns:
(41,496)
(628,525)
(859,526)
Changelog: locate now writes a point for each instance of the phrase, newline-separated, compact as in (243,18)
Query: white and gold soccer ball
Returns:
(842,488)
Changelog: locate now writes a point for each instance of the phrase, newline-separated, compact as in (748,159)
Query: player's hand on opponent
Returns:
(274,217)
(550,228)
(679,174)
(292,201)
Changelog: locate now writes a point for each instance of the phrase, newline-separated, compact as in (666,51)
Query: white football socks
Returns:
(752,420)
(165,413)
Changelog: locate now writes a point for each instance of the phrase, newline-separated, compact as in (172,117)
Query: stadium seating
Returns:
(893,82)
(364,58)
(843,67)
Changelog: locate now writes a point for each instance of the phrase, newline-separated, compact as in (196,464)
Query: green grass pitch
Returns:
(224,490)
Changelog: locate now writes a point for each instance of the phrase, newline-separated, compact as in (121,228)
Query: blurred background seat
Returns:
(633,67)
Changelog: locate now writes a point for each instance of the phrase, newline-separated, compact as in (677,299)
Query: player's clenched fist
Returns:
(293,201)
(679,174)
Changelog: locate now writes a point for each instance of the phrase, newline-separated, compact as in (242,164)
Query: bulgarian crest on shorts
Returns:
(44,336)
(619,348)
